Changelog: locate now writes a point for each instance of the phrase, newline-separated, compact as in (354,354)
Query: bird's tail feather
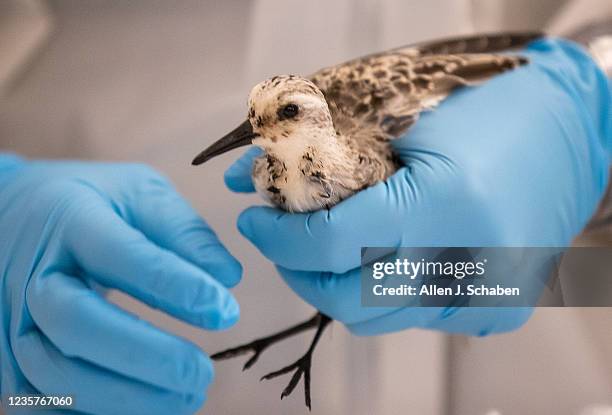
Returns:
(481,43)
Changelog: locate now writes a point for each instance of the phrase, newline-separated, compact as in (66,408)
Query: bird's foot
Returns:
(300,368)
(256,346)
(259,345)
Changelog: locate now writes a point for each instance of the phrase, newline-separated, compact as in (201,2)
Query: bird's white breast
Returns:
(300,193)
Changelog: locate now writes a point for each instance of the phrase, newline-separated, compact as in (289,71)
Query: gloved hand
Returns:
(521,160)
(68,226)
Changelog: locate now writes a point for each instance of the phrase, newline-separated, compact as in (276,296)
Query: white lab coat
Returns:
(155,81)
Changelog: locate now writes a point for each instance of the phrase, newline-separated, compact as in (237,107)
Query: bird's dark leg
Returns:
(302,365)
(259,345)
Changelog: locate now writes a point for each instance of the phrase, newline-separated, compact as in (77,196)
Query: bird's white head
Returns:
(286,113)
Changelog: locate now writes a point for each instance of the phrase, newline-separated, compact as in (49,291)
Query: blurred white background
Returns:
(156,81)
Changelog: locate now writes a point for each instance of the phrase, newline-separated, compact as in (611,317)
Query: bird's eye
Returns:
(288,111)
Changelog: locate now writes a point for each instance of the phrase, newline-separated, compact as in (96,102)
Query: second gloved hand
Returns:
(521,160)
(68,225)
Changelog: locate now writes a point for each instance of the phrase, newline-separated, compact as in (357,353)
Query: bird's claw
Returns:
(257,347)
(301,368)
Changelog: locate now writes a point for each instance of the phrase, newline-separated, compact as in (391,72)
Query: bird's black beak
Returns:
(241,136)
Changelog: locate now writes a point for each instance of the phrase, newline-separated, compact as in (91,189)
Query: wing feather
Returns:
(384,93)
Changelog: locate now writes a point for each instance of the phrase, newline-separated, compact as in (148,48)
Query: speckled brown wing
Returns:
(386,91)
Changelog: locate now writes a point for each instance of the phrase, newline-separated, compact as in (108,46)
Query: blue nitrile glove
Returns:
(68,226)
(521,160)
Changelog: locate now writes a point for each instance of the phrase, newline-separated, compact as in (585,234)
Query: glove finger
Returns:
(170,222)
(120,257)
(475,321)
(325,240)
(238,176)
(112,338)
(94,389)
(336,295)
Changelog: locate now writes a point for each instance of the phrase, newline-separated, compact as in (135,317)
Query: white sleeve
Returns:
(578,13)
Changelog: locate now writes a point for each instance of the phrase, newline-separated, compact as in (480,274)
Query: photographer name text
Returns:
(432,290)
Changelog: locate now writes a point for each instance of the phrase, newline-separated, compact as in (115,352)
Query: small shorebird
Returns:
(327,136)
